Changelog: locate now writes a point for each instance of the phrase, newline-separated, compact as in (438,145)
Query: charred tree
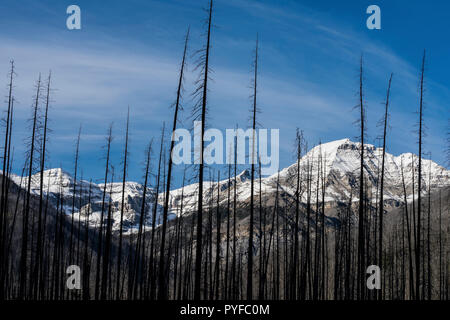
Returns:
(381,204)
(4,192)
(252,186)
(361,213)
(24,248)
(162,293)
(419,181)
(151,270)
(122,209)
(202,89)
(140,244)
(102,212)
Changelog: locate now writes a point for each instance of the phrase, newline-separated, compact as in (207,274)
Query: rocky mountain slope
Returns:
(336,163)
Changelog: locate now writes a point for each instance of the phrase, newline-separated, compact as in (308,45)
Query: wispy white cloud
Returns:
(311,88)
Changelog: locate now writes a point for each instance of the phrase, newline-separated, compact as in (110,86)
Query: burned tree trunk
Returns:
(151,267)
(4,192)
(252,186)
(419,182)
(380,233)
(299,141)
(24,249)
(100,230)
(139,243)
(203,88)
(162,294)
(361,213)
(122,208)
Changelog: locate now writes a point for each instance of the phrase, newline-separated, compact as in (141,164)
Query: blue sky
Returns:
(128,53)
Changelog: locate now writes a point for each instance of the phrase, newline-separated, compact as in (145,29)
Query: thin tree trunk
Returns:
(151,271)
(86,262)
(361,214)
(204,89)
(299,139)
(162,294)
(233,264)
(419,182)
(71,250)
(429,273)
(100,230)
(122,208)
(252,186)
(106,275)
(408,231)
(380,233)
(4,192)
(226,294)
(142,219)
(24,250)
(218,222)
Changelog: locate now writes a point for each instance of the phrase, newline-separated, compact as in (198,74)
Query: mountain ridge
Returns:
(336,162)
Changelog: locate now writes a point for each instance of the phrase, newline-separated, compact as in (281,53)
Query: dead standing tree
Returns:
(162,293)
(408,230)
(37,267)
(77,149)
(380,235)
(151,269)
(122,209)
(24,248)
(361,213)
(299,145)
(4,193)
(140,242)
(202,91)
(419,182)
(252,186)
(102,213)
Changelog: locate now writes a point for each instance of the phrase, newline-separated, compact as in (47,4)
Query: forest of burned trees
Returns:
(281,248)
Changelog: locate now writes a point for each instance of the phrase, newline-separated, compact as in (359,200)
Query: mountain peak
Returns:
(244,175)
(330,149)
(341,159)
(56,172)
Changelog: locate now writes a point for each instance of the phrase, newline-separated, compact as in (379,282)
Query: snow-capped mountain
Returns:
(341,167)
(336,163)
(58,185)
